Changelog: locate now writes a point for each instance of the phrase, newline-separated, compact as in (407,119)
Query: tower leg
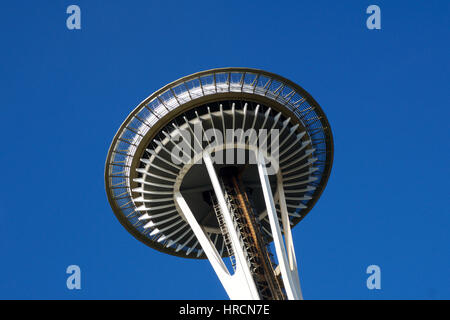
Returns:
(286,261)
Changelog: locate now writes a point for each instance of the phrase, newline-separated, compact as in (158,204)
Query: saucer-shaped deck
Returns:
(147,161)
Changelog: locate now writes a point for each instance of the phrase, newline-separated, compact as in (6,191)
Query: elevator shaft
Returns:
(256,247)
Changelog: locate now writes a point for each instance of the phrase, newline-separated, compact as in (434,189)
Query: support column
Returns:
(239,285)
(241,261)
(292,265)
(289,274)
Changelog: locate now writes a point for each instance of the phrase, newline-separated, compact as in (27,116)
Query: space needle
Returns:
(222,164)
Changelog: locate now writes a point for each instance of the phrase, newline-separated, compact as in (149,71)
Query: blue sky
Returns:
(65,93)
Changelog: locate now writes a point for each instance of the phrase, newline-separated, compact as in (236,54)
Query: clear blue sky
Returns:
(65,93)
